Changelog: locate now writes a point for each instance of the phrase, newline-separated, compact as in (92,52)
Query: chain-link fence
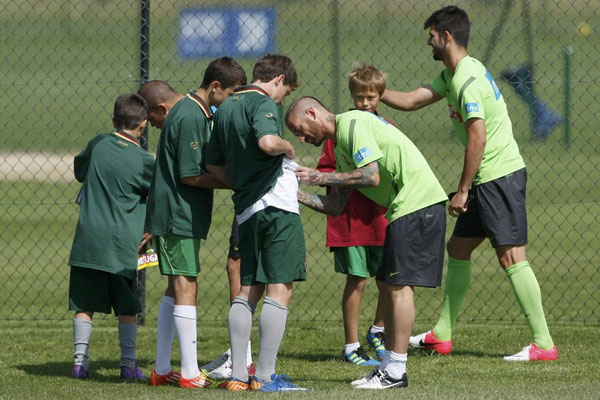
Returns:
(64,63)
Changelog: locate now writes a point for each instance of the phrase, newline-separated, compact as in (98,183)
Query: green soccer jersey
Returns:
(406,183)
(116,174)
(173,207)
(472,93)
(241,120)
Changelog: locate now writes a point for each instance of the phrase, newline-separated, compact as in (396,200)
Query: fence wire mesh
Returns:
(65,62)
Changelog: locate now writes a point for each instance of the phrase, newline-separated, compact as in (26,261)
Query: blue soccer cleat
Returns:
(360,357)
(279,383)
(377,342)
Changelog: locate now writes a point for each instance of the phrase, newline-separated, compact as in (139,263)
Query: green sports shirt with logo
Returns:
(241,120)
(116,174)
(173,207)
(406,182)
(472,93)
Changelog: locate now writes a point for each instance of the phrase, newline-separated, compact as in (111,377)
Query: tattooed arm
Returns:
(332,204)
(361,177)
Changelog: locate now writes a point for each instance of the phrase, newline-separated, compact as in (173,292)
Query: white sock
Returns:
(385,361)
(350,347)
(165,335)
(185,325)
(249,354)
(375,329)
(397,365)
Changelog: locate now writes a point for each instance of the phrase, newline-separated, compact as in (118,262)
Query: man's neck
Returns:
(204,95)
(454,57)
(266,86)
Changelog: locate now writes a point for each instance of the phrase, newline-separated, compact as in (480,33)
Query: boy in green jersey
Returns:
(116,172)
(490,197)
(378,160)
(247,151)
(180,207)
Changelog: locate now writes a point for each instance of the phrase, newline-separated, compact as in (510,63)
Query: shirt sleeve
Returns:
(192,141)
(471,97)
(440,84)
(266,119)
(362,145)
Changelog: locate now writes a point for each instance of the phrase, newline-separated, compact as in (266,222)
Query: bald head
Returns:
(156,92)
(160,97)
(298,108)
(310,120)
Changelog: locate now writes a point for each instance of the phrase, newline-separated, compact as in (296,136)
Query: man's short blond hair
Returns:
(366,76)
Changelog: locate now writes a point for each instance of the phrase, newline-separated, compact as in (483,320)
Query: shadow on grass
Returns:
(110,370)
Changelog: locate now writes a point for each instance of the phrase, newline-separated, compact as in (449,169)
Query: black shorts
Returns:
(234,240)
(497,211)
(99,291)
(414,248)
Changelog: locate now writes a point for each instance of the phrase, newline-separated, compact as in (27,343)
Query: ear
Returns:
(162,109)
(311,113)
(447,36)
(279,79)
(214,85)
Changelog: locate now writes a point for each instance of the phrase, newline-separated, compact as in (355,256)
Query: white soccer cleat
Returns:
(381,380)
(223,371)
(217,362)
(365,378)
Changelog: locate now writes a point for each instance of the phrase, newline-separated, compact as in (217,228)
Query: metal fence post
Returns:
(144,76)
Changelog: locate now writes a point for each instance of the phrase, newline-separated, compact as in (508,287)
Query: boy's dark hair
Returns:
(226,71)
(272,65)
(451,19)
(130,111)
(367,77)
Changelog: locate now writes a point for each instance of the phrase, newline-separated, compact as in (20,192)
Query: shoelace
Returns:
(363,354)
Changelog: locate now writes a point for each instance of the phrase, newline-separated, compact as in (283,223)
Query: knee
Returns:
(356,283)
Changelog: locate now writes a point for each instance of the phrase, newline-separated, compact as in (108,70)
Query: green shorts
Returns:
(99,291)
(272,248)
(358,260)
(178,255)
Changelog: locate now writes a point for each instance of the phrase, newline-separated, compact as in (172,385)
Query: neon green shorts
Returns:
(178,255)
(358,260)
(272,248)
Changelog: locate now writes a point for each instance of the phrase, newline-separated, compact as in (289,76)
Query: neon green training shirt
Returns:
(472,93)
(406,183)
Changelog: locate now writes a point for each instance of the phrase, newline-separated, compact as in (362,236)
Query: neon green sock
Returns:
(458,280)
(527,292)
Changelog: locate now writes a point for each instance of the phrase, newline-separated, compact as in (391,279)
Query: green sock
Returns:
(527,292)
(458,280)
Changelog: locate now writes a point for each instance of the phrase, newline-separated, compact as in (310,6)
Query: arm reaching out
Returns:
(410,101)
(332,204)
(361,177)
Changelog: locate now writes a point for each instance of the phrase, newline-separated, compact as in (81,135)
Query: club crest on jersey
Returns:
(361,154)
(269,115)
(471,107)
(194,145)
(455,114)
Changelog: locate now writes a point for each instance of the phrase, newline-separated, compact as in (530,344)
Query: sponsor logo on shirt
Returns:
(455,114)
(194,145)
(361,154)
(472,107)
(269,115)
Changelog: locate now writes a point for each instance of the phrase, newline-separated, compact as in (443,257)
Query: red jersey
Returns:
(363,221)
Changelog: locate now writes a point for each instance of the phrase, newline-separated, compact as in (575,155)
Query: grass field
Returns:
(64,63)
(38,364)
